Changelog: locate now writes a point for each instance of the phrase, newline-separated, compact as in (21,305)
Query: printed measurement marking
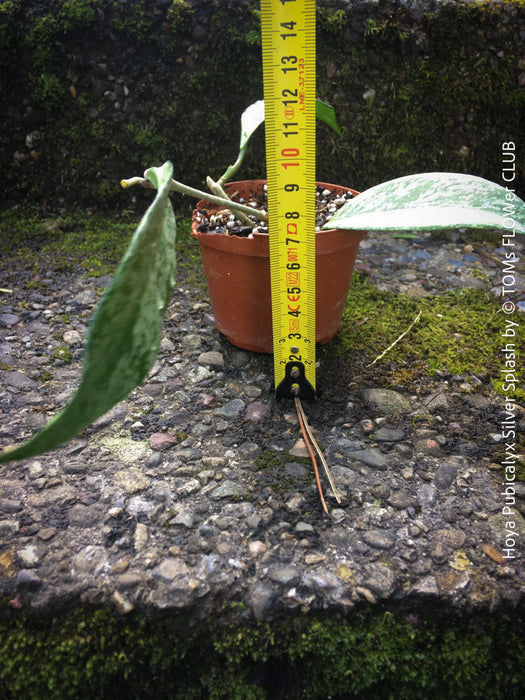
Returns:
(289,90)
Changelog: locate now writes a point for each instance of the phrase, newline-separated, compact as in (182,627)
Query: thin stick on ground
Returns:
(320,454)
(300,415)
(396,341)
(310,442)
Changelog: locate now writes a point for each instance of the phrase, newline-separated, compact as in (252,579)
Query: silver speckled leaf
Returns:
(124,336)
(431,201)
(251,118)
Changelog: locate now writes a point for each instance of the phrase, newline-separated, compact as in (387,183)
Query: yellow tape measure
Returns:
(288,40)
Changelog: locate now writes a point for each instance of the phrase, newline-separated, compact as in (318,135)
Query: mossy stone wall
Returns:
(371,653)
(96,90)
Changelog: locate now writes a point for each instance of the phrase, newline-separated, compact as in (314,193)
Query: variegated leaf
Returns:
(124,336)
(251,118)
(431,201)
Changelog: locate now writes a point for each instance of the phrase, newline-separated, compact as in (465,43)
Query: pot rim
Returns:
(202,236)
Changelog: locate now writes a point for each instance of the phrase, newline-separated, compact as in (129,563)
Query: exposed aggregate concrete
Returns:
(194,492)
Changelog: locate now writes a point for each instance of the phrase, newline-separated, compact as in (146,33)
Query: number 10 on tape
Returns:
(288,40)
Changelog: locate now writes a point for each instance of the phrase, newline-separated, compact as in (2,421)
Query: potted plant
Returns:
(124,335)
(231,227)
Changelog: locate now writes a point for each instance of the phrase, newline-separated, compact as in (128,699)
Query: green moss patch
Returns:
(376,653)
(72,243)
(93,245)
(457,331)
(271,469)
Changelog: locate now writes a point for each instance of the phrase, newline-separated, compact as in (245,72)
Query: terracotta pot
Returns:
(238,275)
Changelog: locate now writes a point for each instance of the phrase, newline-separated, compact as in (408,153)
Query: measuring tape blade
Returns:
(288,40)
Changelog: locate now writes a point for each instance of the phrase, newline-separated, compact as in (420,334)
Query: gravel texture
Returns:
(194,490)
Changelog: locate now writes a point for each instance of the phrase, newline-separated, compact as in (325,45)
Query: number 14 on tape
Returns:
(288,40)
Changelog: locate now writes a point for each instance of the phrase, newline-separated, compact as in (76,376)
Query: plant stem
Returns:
(232,169)
(217,189)
(198,194)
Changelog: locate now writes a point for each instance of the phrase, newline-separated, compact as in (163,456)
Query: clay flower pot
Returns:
(238,275)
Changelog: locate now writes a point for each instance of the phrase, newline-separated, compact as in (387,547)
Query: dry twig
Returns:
(396,341)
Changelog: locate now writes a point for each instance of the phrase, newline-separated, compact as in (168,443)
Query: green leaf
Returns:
(432,201)
(253,117)
(326,113)
(124,336)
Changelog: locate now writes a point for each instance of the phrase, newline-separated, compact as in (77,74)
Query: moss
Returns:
(457,331)
(75,242)
(189,264)
(34,248)
(500,455)
(274,459)
(172,58)
(270,465)
(63,353)
(43,39)
(76,14)
(148,141)
(330,20)
(179,13)
(8,31)
(48,92)
(405,129)
(270,459)
(134,19)
(385,30)
(74,655)
(373,652)
(45,376)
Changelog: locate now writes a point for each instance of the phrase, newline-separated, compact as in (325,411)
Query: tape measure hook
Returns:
(295,383)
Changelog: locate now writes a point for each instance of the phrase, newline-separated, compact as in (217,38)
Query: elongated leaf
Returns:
(124,336)
(431,201)
(253,117)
